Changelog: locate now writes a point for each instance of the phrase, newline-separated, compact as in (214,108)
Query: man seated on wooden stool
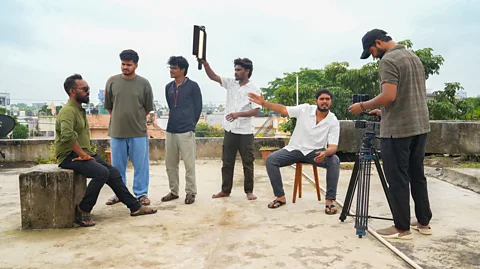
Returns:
(73,151)
(316,129)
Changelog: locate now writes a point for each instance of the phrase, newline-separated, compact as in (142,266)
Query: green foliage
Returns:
(446,107)
(19,131)
(204,130)
(341,80)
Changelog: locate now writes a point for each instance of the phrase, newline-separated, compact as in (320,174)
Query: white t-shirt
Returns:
(308,135)
(237,101)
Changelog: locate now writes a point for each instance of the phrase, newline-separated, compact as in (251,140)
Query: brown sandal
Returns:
(83,219)
(169,197)
(113,200)
(144,211)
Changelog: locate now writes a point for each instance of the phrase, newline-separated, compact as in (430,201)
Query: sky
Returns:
(44,41)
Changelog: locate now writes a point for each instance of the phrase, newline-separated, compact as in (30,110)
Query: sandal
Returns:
(144,211)
(276,204)
(144,200)
(169,197)
(330,209)
(113,200)
(83,218)
(190,199)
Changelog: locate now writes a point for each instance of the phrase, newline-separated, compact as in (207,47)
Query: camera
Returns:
(357,98)
(371,125)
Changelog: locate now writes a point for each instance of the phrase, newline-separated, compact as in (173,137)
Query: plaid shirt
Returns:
(408,114)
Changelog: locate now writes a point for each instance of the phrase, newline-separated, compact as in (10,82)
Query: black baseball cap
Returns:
(369,39)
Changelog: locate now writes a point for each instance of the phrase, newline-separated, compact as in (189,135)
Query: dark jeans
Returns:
(101,173)
(284,157)
(231,144)
(403,165)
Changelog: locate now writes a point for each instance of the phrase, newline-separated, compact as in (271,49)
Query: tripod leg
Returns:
(351,190)
(361,220)
(382,180)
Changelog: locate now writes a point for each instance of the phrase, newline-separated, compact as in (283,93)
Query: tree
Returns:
(446,107)
(341,80)
(58,108)
(43,109)
(19,131)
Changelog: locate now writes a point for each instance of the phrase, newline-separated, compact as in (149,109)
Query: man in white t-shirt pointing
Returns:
(314,141)
(238,125)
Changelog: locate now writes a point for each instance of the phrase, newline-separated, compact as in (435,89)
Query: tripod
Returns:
(361,178)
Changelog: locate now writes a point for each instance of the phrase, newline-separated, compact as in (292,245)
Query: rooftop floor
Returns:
(236,233)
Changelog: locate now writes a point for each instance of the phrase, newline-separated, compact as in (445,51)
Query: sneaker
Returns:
(426,230)
(393,233)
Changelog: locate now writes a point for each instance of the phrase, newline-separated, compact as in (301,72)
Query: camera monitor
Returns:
(199,44)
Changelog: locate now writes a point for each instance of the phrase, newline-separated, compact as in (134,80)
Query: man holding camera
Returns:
(403,130)
(313,141)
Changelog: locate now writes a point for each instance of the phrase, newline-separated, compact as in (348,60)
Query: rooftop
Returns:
(236,233)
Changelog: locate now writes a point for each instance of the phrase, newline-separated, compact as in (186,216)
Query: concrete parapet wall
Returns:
(446,137)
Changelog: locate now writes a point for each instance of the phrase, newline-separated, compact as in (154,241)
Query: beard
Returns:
(380,53)
(322,108)
(82,99)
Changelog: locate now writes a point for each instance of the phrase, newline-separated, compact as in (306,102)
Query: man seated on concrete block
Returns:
(313,141)
(72,150)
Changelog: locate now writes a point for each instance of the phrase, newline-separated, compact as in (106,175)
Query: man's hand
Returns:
(86,157)
(355,109)
(231,116)
(320,156)
(376,112)
(257,99)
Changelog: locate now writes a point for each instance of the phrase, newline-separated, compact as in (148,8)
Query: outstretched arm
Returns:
(258,99)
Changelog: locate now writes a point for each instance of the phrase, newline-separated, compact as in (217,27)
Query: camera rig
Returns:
(360,178)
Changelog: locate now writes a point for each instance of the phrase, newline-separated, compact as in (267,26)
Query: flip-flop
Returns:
(276,204)
(142,211)
(330,209)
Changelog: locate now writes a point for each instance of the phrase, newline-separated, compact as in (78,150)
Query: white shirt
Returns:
(237,101)
(308,135)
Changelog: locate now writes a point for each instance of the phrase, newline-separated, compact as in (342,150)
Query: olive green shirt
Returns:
(71,125)
(130,100)
(408,114)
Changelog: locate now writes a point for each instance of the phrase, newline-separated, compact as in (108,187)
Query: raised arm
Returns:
(210,72)
(258,99)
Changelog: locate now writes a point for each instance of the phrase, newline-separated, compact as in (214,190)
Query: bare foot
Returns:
(250,196)
(220,195)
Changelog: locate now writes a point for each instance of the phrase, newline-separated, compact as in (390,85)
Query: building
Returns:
(5,100)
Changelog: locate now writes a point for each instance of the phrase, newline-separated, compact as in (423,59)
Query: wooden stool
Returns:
(109,156)
(298,181)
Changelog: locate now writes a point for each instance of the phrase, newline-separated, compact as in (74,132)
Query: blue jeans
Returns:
(284,157)
(137,149)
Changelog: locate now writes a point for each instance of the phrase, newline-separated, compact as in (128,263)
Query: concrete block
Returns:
(48,195)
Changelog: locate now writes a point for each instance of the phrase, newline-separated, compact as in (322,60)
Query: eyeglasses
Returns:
(85,89)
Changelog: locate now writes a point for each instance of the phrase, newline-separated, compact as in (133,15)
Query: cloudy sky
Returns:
(44,41)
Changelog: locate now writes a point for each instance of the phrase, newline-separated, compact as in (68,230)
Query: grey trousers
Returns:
(185,145)
(284,157)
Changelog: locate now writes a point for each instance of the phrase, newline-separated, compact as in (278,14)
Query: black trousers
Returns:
(101,173)
(403,165)
(243,144)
